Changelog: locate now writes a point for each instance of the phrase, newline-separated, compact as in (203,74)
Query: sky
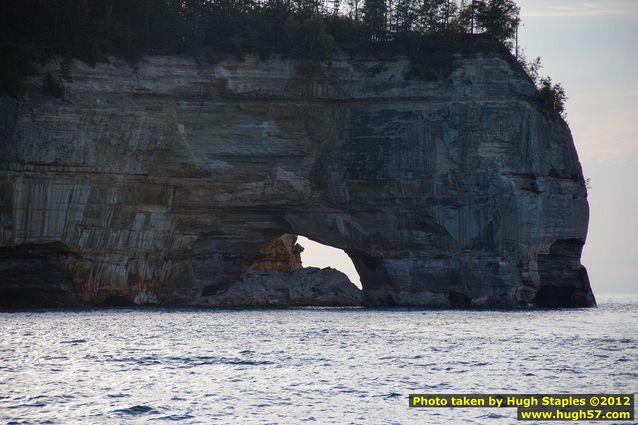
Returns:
(591,48)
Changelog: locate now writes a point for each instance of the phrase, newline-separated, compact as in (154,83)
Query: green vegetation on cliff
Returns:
(33,31)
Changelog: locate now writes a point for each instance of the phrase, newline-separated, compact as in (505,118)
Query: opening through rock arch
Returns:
(316,254)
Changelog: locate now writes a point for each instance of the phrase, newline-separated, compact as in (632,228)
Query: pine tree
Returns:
(499,18)
(431,15)
(405,16)
(374,18)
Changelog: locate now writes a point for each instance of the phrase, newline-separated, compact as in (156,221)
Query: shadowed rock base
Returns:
(305,287)
(36,276)
(564,281)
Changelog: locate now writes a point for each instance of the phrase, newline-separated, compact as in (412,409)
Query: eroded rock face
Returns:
(282,254)
(168,182)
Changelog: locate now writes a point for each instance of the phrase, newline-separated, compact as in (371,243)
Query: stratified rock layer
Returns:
(164,182)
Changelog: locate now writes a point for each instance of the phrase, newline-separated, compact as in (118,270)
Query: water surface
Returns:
(345,366)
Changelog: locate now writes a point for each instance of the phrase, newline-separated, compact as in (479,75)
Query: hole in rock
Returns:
(319,255)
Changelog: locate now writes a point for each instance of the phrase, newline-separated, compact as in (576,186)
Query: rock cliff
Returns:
(172,181)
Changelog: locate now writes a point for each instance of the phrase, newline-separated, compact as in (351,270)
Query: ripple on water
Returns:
(491,416)
(118,395)
(136,410)
(392,395)
(177,417)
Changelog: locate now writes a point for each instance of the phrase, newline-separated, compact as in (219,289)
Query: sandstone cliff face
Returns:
(167,182)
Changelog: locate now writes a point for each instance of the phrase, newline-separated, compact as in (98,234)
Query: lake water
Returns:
(303,365)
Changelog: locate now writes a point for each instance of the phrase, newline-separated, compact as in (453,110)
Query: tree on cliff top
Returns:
(499,18)
(374,18)
(553,96)
(92,29)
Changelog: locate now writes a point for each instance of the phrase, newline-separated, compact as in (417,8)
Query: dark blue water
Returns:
(303,365)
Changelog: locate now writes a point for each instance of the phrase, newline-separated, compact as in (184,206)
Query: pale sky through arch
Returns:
(318,255)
